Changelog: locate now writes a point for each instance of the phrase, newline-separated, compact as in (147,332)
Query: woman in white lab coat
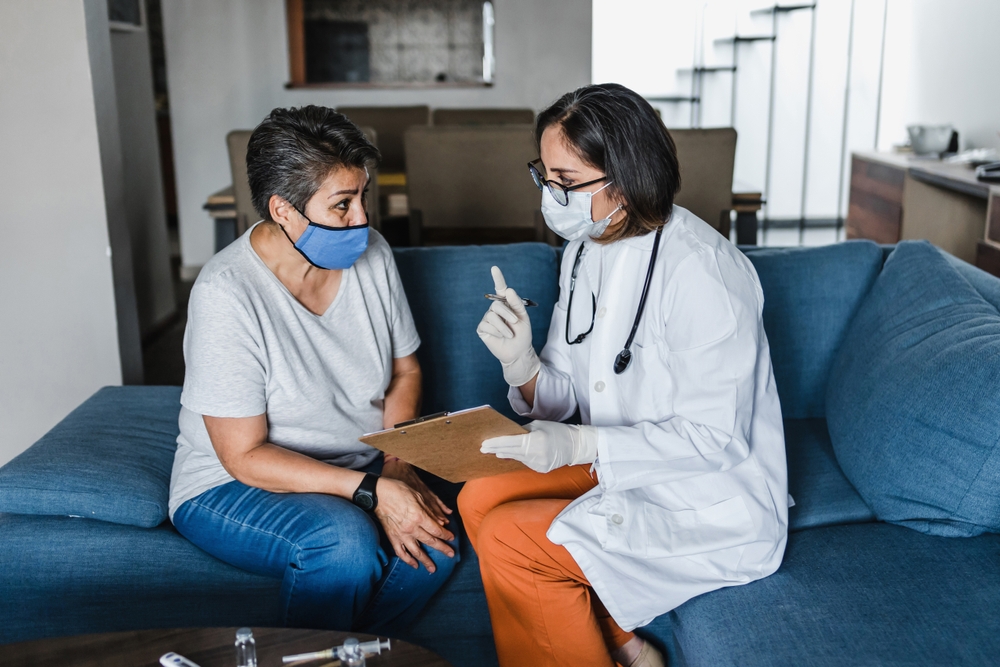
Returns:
(675,482)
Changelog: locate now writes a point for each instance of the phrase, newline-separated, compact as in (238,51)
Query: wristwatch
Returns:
(365,496)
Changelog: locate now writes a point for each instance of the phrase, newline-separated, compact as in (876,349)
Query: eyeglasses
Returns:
(559,191)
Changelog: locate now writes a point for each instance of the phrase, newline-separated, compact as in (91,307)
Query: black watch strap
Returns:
(365,496)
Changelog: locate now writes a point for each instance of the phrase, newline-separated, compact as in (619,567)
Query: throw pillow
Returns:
(109,459)
(913,404)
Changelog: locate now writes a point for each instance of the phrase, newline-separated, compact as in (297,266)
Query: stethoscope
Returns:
(624,357)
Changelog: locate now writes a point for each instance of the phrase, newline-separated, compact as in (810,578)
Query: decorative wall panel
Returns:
(410,41)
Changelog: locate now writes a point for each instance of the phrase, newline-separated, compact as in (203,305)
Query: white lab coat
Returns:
(691,454)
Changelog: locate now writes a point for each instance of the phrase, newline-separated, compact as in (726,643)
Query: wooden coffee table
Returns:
(208,647)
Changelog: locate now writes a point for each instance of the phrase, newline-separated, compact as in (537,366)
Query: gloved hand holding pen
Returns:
(506,331)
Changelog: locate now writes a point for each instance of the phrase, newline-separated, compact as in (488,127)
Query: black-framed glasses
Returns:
(559,191)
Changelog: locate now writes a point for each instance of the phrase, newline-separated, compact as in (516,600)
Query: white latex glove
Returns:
(546,446)
(506,330)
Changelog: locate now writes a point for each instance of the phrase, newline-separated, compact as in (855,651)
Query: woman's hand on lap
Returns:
(410,519)
(404,472)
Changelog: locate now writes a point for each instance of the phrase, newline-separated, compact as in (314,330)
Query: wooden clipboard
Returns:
(447,444)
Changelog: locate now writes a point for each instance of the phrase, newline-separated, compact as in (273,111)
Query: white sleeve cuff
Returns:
(605,474)
(518,403)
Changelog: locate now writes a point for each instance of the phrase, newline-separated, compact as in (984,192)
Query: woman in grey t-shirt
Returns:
(299,340)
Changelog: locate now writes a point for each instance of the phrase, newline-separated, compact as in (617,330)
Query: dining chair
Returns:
(470,184)
(707,158)
(483,117)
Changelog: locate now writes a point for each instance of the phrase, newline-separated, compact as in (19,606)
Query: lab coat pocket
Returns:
(645,396)
(689,532)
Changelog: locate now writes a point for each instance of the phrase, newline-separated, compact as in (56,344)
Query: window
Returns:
(390,42)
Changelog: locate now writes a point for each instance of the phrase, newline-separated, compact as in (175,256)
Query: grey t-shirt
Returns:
(251,348)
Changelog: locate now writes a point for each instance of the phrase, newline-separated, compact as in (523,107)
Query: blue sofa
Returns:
(84,546)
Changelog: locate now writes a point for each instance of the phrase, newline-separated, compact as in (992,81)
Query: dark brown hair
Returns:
(615,130)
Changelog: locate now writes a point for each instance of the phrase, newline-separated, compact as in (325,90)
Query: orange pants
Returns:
(543,610)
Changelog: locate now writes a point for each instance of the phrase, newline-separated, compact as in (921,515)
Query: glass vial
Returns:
(246,648)
(351,654)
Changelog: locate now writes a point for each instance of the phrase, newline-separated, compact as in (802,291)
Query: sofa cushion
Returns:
(109,459)
(445,288)
(867,594)
(810,297)
(823,496)
(66,576)
(914,394)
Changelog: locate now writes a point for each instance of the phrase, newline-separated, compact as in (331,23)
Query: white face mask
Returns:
(574,220)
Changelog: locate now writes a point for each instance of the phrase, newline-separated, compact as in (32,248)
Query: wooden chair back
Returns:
(390,123)
(470,184)
(707,158)
(236,142)
(483,116)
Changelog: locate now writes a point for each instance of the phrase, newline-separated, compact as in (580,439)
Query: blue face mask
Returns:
(331,247)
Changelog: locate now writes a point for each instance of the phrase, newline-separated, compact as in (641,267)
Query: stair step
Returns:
(699,70)
(745,38)
(777,9)
(673,98)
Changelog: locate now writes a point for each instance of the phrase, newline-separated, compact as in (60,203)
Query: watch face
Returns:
(364,501)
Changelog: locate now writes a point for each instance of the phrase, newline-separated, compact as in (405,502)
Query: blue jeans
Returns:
(329,554)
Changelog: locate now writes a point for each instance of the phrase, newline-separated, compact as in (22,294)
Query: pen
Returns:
(528,303)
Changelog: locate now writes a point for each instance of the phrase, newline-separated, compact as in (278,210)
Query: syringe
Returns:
(373,647)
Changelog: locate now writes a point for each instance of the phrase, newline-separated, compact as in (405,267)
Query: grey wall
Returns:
(145,209)
(227,64)
(102,80)
(59,339)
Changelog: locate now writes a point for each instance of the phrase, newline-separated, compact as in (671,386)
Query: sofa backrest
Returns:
(810,297)
(445,287)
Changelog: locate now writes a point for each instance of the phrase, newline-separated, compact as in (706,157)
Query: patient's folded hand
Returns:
(410,523)
(404,472)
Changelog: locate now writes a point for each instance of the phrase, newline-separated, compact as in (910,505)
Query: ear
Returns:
(282,212)
(617,197)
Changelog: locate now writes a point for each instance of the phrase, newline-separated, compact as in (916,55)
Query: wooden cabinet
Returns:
(898,197)
(988,251)
(876,207)
(988,257)
(993,216)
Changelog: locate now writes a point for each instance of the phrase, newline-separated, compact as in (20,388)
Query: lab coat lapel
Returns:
(615,312)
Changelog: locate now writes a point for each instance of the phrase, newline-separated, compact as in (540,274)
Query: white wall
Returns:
(227,65)
(629,45)
(58,341)
(942,65)
(145,208)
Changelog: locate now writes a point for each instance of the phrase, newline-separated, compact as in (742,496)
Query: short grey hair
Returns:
(293,150)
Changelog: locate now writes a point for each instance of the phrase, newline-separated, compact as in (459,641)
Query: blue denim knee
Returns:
(335,570)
